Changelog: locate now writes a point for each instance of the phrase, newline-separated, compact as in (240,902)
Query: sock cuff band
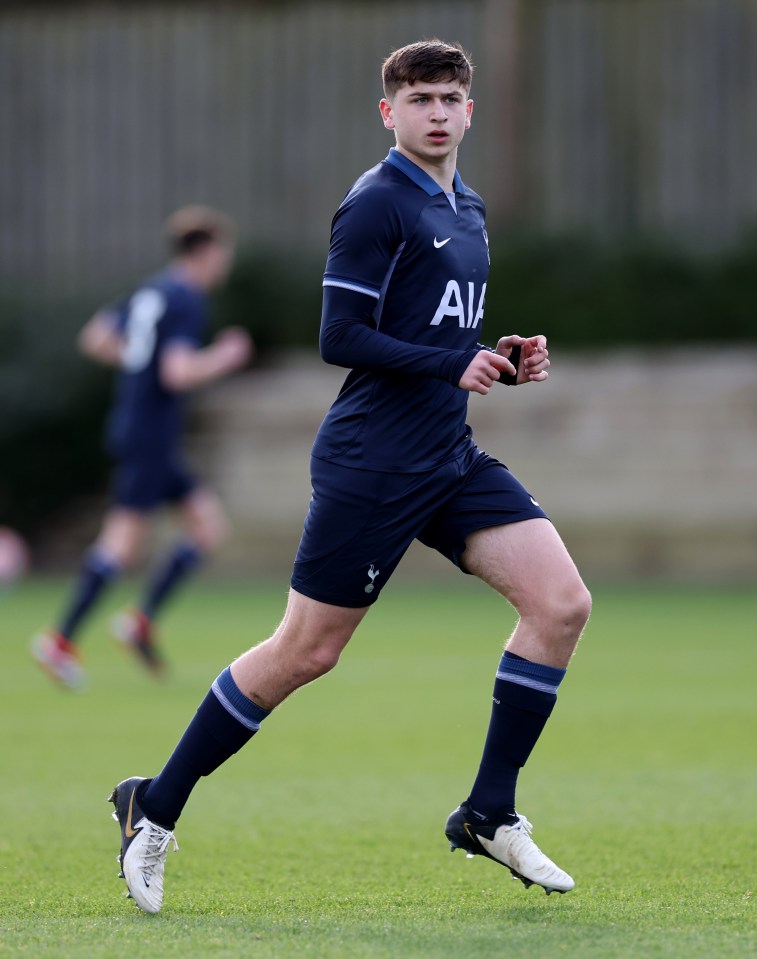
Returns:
(234,701)
(515,669)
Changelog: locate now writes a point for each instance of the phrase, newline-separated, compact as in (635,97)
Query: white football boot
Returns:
(510,845)
(144,847)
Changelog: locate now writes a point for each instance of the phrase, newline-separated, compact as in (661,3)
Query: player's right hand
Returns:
(235,346)
(485,369)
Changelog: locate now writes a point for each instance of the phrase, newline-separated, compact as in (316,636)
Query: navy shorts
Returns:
(361,523)
(143,483)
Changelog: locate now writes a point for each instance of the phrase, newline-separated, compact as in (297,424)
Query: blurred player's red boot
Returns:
(60,659)
(134,630)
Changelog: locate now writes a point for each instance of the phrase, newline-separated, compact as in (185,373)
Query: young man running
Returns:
(155,338)
(394,461)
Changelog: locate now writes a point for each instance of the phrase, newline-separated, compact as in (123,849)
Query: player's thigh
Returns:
(307,644)
(203,517)
(358,527)
(487,495)
(123,534)
(528,563)
(311,624)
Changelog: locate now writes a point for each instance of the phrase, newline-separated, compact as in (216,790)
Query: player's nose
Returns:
(438,114)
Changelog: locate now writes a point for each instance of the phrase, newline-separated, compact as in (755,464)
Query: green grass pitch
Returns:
(324,838)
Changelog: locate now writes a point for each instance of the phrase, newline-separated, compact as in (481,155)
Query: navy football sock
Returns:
(225,720)
(97,571)
(524,696)
(184,557)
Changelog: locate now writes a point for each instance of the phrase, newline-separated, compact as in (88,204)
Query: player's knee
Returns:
(561,612)
(573,609)
(124,556)
(583,603)
(322,652)
(323,659)
(210,530)
(213,535)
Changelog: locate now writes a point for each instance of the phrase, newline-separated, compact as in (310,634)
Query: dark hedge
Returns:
(580,292)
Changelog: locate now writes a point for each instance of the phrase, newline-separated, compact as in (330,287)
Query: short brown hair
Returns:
(427,61)
(193,227)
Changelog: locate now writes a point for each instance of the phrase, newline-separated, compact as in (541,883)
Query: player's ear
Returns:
(468,112)
(386,113)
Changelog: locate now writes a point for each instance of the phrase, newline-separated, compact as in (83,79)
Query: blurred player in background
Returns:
(14,558)
(394,461)
(155,338)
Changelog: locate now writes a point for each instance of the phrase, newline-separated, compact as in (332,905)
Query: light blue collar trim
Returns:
(420,177)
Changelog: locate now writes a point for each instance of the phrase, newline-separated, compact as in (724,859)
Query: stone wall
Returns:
(647,462)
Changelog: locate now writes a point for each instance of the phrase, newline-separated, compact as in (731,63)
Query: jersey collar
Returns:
(420,177)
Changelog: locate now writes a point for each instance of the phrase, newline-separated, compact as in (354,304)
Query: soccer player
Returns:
(155,337)
(394,461)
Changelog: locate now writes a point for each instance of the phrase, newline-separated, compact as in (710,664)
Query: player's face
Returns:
(429,119)
(219,258)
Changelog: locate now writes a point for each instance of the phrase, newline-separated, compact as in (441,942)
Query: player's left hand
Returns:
(534,356)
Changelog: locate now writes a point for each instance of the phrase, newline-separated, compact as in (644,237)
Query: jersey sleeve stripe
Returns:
(355,287)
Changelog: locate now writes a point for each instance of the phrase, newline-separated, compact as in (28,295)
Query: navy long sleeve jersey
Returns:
(147,418)
(404,292)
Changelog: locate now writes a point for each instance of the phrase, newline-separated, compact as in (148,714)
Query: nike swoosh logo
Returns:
(440,243)
(128,831)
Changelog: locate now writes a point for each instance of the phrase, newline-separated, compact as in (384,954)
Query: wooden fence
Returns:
(611,115)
